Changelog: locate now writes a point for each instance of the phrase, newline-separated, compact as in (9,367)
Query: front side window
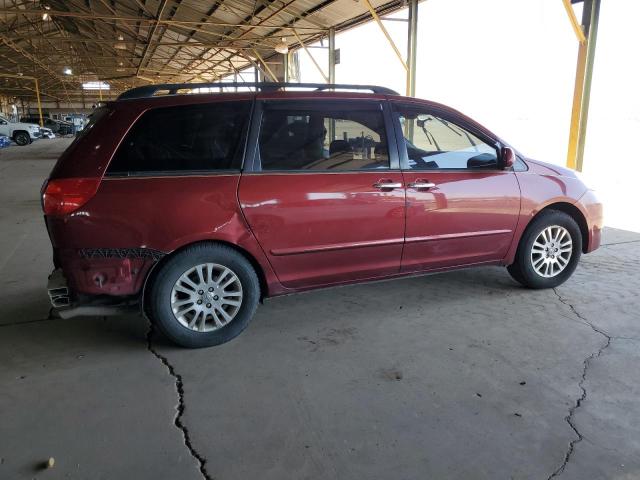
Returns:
(436,143)
(196,138)
(323,139)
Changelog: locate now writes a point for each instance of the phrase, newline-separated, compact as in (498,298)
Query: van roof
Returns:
(161,90)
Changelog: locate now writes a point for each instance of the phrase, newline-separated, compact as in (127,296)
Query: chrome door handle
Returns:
(389,185)
(420,184)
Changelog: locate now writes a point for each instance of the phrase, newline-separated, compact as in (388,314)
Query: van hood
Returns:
(545,168)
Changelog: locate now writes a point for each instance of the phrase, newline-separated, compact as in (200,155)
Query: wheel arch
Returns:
(16,132)
(571,210)
(153,271)
(575,213)
(560,205)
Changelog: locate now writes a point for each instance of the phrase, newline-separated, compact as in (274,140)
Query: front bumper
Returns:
(592,209)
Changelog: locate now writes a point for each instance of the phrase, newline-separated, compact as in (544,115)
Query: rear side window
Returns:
(192,138)
(322,138)
(95,116)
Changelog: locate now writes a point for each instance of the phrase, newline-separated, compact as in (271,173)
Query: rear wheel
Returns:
(548,252)
(205,295)
(22,138)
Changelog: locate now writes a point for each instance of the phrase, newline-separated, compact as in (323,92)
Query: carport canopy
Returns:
(127,43)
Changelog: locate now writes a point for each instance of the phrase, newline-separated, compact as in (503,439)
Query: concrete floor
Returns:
(462,375)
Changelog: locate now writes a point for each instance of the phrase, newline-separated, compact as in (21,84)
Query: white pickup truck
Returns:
(21,133)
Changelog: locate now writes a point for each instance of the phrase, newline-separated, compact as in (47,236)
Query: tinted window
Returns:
(184,138)
(323,139)
(436,143)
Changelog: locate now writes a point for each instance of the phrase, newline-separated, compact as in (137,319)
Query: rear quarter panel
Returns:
(158,214)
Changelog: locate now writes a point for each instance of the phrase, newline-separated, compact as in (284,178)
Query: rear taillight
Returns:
(66,195)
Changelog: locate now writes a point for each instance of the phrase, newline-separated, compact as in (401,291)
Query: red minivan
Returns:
(192,206)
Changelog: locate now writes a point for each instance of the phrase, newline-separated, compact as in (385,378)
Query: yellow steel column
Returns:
(582,87)
(592,35)
(39,103)
(577,105)
(577,29)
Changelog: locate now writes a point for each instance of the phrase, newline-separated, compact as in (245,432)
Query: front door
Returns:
(321,194)
(462,207)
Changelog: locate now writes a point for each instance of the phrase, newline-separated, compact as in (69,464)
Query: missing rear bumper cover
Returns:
(58,290)
(103,305)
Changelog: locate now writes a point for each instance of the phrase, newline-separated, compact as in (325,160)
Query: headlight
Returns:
(34,128)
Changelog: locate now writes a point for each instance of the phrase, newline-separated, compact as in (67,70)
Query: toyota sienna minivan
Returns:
(192,207)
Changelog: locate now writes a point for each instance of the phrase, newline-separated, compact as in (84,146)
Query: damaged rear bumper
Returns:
(58,289)
(107,271)
(69,305)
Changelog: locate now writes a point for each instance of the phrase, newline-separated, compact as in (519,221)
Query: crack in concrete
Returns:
(583,396)
(180,407)
(27,322)
(50,316)
(619,243)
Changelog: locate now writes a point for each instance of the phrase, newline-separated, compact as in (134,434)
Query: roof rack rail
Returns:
(173,88)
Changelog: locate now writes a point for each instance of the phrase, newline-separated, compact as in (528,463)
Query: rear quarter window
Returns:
(520,165)
(95,116)
(183,139)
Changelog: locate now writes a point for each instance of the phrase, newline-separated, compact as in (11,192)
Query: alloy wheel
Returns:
(22,139)
(551,251)
(206,297)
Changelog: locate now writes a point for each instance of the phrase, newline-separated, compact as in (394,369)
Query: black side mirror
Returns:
(508,157)
(483,160)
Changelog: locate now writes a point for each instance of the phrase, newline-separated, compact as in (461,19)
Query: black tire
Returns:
(22,138)
(161,287)
(522,269)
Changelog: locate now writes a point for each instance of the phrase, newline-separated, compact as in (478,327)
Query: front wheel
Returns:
(205,295)
(22,138)
(548,252)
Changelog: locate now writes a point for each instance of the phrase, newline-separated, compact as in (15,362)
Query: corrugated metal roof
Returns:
(134,42)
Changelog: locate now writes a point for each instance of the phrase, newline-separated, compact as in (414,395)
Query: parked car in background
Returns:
(4,141)
(58,127)
(194,207)
(47,133)
(77,120)
(23,133)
